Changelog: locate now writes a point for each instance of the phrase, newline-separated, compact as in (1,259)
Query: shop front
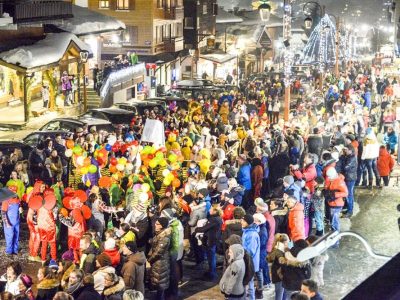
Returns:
(217,67)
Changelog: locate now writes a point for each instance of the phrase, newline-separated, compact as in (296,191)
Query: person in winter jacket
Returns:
(233,226)
(11,277)
(257,174)
(318,205)
(198,215)
(335,191)
(110,248)
(114,287)
(89,251)
(293,271)
(251,243)
(103,265)
(308,173)
(310,288)
(87,291)
(10,215)
(349,170)
(369,155)
(244,179)
(281,242)
(295,219)
(280,214)
(260,220)
(390,140)
(159,257)
(231,283)
(134,267)
(315,143)
(385,164)
(74,283)
(289,185)
(212,234)
(236,192)
(48,285)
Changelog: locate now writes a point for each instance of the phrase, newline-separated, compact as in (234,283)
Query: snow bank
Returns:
(47,51)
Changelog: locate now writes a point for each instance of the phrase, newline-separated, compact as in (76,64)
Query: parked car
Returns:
(138,107)
(70,125)
(116,116)
(7,146)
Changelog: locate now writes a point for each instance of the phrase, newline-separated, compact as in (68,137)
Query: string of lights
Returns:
(288,55)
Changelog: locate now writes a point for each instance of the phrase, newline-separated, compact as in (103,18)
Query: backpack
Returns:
(249,268)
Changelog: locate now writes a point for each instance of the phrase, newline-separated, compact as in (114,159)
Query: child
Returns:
(317,264)
(318,206)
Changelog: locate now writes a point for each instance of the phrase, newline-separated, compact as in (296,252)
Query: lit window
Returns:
(189,22)
(204,9)
(122,4)
(104,4)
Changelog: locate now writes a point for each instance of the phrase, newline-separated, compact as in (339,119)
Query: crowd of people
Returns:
(234,186)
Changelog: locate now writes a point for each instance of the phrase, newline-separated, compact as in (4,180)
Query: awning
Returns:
(86,22)
(44,53)
(218,58)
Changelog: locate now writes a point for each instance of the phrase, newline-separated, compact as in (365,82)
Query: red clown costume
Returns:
(76,218)
(43,202)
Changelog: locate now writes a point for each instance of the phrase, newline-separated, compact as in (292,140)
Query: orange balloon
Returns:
(86,162)
(176,183)
(70,144)
(113,169)
(64,212)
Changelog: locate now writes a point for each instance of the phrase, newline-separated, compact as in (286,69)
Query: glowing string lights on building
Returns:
(288,55)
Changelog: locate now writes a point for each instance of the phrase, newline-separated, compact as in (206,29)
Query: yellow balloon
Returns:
(153,163)
(166,181)
(145,187)
(170,176)
(163,163)
(84,170)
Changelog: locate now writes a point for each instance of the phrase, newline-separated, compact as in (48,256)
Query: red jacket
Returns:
(339,186)
(296,222)
(385,162)
(114,255)
(271,231)
(308,174)
(227,214)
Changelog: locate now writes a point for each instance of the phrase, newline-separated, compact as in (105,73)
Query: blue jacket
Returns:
(391,140)
(244,176)
(251,243)
(367,99)
(263,234)
(349,167)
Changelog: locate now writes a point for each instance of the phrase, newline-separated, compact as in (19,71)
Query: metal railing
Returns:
(41,10)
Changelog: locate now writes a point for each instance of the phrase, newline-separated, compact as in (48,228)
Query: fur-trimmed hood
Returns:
(293,262)
(279,212)
(116,288)
(66,274)
(48,284)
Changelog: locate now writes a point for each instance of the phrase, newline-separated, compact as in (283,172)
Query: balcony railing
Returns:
(173,13)
(173,44)
(39,10)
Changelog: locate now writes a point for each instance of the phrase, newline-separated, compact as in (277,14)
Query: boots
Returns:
(259,294)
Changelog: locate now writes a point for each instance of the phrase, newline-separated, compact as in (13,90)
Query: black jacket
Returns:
(87,292)
(294,273)
(315,144)
(212,231)
(34,164)
(349,167)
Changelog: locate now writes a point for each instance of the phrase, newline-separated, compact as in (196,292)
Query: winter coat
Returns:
(391,140)
(88,259)
(114,255)
(197,213)
(251,243)
(308,174)
(296,190)
(133,272)
(315,144)
(99,276)
(159,260)
(294,273)
(231,283)
(270,225)
(115,292)
(281,220)
(276,267)
(232,227)
(385,162)
(244,176)
(257,175)
(296,222)
(47,288)
(337,190)
(34,160)
(263,234)
(227,213)
(278,167)
(87,292)
(370,149)
(236,194)
(211,230)
(349,167)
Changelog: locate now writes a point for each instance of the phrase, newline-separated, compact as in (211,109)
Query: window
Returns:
(130,35)
(104,4)
(189,23)
(160,3)
(204,9)
(159,34)
(215,9)
(122,4)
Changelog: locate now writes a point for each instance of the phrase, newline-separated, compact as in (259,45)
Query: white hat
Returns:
(259,218)
(331,173)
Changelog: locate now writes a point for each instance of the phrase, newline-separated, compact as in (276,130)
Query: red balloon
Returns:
(113,161)
(135,143)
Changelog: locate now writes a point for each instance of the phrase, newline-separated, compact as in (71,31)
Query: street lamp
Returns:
(308,22)
(265,10)
(84,56)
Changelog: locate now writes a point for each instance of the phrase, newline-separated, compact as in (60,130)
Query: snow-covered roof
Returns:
(86,21)
(45,52)
(226,17)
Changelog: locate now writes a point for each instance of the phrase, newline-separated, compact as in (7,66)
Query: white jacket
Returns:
(370,149)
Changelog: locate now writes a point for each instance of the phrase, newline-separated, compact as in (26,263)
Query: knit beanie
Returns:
(26,280)
(104,260)
(163,222)
(249,219)
(131,245)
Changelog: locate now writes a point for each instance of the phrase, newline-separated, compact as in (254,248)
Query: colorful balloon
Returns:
(145,187)
(120,167)
(69,144)
(92,169)
(68,152)
(176,183)
(143,197)
(84,170)
(165,172)
(108,147)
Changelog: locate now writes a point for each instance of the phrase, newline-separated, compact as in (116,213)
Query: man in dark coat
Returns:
(87,291)
(133,269)
(349,167)
(36,162)
(315,142)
